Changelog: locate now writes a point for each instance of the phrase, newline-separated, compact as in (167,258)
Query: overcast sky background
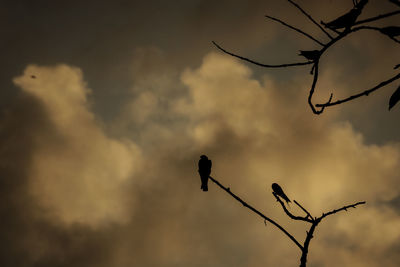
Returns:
(98,153)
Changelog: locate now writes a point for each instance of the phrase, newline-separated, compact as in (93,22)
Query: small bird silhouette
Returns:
(204,171)
(279,192)
(310,55)
(347,20)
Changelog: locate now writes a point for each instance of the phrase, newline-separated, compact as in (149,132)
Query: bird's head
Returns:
(203,157)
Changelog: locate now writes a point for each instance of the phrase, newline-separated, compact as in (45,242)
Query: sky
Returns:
(106,107)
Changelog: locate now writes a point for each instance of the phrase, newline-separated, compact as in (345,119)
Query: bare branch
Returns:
(257,212)
(289,213)
(374,29)
(261,64)
(310,235)
(311,93)
(366,93)
(308,214)
(377,17)
(396,2)
(310,18)
(296,29)
(342,208)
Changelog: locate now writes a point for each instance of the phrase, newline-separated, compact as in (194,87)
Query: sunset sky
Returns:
(106,107)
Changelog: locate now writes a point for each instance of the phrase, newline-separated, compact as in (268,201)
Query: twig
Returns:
(377,17)
(261,64)
(310,18)
(308,214)
(366,93)
(296,29)
(257,212)
(374,29)
(342,208)
(311,93)
(303,259)
(299,218)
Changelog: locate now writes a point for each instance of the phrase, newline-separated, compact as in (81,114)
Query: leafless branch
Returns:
(228,190)
(342,208)
(310,18)
(319,108)
(261,64)
(311,93)
(289,213)
(308,218)
(364,93)
(396,2)
(296,29)
(308,214)
(374,29)
(378,17)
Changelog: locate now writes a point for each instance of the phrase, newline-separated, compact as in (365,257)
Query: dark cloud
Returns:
(29,237)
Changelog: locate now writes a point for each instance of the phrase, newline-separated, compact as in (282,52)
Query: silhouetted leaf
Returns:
(391,31)
(394,98)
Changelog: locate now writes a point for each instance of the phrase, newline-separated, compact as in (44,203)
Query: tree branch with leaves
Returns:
(340,28)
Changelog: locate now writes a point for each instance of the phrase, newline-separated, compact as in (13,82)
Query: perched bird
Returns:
(347,20)
(310,55)
(204,171)
(279,192)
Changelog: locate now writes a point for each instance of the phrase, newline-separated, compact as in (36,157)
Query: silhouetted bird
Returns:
(310,55)
(347,20)
(204,171)
(278,191)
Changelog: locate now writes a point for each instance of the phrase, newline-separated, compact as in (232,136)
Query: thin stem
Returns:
(310,18)
(374,29)
(310,233)
(396,2)
(342,208)
(366,93)
(313,85)
(296,29)
(377,17)
(289,213)
(308,214)
(257,212)
(261,64)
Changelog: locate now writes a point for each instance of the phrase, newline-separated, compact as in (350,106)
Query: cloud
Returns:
(77,172)
(255,138)
(136,200)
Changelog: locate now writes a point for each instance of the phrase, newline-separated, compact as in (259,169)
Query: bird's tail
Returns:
(287,200)
(204,187)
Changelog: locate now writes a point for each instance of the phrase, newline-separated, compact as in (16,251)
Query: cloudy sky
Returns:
(106,106)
